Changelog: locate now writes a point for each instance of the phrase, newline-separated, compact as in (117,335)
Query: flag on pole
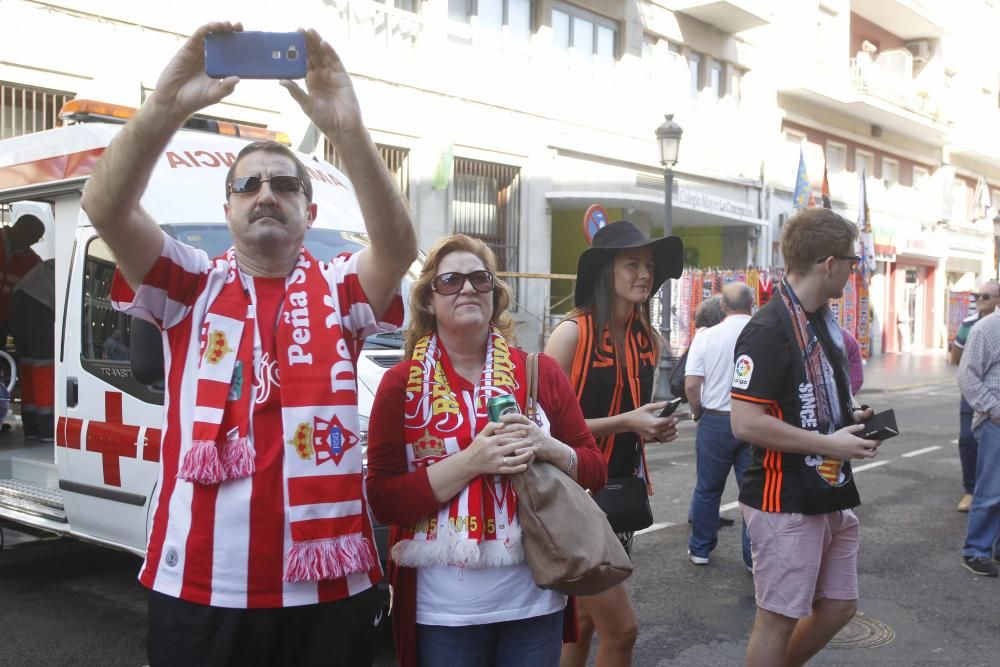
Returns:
(865,237)
(826,189)
(981,203)
(803,191)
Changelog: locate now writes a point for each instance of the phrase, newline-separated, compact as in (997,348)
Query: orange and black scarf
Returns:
(606,385)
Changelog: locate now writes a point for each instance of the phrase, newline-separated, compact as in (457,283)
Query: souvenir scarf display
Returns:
(694,286)
(478,528)
(819,372)
(324,544)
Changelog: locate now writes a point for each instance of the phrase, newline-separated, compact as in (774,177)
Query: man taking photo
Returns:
(260,553)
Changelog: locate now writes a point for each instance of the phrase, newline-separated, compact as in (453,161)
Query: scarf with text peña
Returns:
(327,540)
(478,528)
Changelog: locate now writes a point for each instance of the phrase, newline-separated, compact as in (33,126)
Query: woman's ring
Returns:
(504,464)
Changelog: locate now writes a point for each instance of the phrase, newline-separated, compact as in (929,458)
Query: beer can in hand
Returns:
(498,406)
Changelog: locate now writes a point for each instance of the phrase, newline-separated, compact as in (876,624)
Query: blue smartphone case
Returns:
(255,55)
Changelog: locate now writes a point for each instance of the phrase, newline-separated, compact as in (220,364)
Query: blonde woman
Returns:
(439,472)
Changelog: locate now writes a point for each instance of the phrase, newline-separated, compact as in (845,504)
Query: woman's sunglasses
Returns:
(453,281)
(251,184)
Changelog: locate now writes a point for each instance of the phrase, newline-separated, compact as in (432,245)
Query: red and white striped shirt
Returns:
(224,545)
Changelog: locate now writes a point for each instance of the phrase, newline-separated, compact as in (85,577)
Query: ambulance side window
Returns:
(106,334)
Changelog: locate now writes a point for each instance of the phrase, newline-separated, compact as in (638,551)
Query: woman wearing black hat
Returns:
(609,350)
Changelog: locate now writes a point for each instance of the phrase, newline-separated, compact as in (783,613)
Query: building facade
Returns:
(507,119)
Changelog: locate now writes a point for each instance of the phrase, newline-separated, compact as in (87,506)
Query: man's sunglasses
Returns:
(853,259)
(251,184)
(453,281)
(984,297)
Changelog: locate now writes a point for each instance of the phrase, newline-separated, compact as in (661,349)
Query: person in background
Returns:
(709,378)
(33,323)
(979,381)
(707,314)
(114,347)
(854,361)
(16,259)
(987,299)
(792,401)
(261,550)
(609,350)
(439,471)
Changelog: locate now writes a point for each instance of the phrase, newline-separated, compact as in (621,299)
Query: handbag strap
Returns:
(532,378)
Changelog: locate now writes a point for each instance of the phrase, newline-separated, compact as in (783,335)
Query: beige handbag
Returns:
(568,542)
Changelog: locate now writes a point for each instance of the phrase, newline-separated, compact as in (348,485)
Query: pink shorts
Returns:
(801,558)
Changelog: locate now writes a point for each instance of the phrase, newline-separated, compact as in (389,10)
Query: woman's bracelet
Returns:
(572,462)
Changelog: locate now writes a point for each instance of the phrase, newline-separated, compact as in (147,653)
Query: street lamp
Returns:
(668,136)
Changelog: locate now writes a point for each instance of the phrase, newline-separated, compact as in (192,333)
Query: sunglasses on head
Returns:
(453,281)
(983,297)
(251,184)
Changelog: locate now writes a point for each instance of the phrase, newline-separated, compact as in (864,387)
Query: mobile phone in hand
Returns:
(881,433)
(880,427)
(255,55)
(670,407)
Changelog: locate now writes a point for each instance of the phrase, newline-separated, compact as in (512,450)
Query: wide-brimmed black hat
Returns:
(668,257)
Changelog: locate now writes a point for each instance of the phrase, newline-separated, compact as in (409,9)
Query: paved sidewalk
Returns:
(888,372)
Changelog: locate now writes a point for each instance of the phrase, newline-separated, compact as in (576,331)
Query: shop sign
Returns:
(918,244)
(706,203)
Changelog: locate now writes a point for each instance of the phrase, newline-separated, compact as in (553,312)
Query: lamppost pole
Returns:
(668,136)
(666,357)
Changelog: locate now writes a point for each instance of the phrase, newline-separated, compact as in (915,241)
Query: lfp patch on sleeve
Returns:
(742,372)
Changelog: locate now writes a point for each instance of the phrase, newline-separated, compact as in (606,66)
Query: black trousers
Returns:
(339,634)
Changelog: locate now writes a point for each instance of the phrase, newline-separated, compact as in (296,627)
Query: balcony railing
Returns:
(869,78)
(378,24)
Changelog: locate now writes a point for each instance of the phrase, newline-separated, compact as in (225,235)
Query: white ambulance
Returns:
(97,479)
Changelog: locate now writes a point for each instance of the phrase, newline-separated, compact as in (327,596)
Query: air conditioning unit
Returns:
(921,50)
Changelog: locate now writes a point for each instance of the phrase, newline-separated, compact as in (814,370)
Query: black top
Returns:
(770,371)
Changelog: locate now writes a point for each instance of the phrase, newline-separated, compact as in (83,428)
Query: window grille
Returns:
(396,159)
(487,205)
(24,110)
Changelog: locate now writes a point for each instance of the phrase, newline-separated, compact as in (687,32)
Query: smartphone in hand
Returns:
(255,55)
(670,407)
(881,433)
(880,427)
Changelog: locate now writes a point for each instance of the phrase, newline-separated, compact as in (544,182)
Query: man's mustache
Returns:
(267,212)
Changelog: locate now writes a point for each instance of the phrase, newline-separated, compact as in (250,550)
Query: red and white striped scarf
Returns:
(327,540)
(478,528)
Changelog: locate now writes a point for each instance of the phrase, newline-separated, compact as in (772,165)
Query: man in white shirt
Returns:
(708,378)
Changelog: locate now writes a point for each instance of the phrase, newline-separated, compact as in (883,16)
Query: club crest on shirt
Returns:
(217,347)
(428,449)
(831,470)
(331,440)
(742,372)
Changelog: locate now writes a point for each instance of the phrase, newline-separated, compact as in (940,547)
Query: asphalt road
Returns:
(63,602)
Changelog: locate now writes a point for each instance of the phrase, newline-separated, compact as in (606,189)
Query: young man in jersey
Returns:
(987,299)
(261,549)
(792,401)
